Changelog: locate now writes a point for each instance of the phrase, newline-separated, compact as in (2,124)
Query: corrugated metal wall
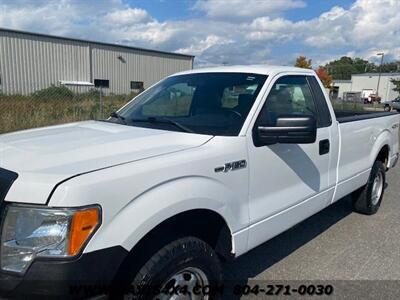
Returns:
(123,66)
(31,62)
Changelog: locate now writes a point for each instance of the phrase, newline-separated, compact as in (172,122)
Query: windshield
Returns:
(204,103)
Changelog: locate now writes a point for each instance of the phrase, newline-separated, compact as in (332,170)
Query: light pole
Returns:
(381,54)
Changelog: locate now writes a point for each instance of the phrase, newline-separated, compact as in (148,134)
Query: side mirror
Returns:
(288,130)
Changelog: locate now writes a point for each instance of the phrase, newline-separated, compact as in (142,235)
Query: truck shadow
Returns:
(266,255)
(300,163)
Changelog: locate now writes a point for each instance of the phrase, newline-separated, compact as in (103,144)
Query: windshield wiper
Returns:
(164,121)
(118,116)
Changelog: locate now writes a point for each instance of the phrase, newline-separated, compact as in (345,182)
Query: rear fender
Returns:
(384,139)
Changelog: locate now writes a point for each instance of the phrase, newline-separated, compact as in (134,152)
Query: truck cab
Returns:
(197,170)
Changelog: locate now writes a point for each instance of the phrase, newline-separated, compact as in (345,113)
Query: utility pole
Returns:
(381,54)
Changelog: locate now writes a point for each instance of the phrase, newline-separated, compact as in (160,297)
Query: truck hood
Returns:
(44,157)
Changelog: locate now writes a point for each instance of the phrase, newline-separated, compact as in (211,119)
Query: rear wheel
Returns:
(387,108)
(367,199)
(182,269)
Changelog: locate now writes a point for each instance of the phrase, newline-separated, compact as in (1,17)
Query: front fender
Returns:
(160,203)
(136,197)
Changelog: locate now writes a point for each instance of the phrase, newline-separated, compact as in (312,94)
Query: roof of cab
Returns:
(255,69)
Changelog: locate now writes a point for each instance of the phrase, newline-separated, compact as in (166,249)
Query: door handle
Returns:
(324,147)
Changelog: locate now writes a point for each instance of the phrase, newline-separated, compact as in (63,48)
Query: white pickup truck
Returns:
(200,168)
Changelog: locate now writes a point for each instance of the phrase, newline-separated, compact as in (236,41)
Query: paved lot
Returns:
(335,244)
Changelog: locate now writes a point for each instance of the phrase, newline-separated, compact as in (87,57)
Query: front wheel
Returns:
(187,268)
(387,108)
(367,199)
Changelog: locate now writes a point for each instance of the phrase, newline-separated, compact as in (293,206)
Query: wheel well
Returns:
(383,155)
(204,224)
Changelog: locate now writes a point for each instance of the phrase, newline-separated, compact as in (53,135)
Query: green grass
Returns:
(22,112)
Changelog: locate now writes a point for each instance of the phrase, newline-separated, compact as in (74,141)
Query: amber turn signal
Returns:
(84,222)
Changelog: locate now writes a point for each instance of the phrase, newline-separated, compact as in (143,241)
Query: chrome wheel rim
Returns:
(190,280)
(377,188)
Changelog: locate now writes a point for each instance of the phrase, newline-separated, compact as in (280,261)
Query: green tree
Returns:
(391,67)
(303,62)
(396,83)
(345,66)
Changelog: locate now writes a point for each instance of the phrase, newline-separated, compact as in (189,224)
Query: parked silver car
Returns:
(394,104)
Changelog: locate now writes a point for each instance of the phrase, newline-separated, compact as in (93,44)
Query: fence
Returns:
(59,104)
(356,105)
(56,105)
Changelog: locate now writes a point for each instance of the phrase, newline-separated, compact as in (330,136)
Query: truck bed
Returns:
(344,116)
(362,135)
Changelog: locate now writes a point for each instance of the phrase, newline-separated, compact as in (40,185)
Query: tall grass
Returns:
(22,112)
(57,105)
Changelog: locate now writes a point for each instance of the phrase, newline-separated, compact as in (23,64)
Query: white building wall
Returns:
(362,82)
(344,86)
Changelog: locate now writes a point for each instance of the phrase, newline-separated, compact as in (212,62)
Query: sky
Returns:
(222,31)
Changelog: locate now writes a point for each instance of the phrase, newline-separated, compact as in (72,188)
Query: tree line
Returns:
(343,68)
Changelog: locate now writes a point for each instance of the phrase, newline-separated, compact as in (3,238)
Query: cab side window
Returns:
(290,95)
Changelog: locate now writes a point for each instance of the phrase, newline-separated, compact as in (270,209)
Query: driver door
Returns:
(288,182)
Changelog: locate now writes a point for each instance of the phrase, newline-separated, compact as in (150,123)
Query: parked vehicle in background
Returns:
(372,98)
(394,104)
(198,169)
(365,95)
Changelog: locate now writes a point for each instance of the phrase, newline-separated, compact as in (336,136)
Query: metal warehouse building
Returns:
(368,82)
(30,62)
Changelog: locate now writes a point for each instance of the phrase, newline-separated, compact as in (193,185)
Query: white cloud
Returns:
(35,17)
(245,9)
(150,34)
(232,32)
(128,16)
(366,28)
(59,17)
(203,45)
(265,28)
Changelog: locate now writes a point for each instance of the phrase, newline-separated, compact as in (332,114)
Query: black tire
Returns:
(398,110)
(188,254)
(387,108)
(364,201)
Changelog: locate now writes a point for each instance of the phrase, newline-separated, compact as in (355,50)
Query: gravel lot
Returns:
(359,255)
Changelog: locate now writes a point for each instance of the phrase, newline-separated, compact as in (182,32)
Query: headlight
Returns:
(30,232)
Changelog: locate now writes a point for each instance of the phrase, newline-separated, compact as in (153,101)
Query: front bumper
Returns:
(87,276)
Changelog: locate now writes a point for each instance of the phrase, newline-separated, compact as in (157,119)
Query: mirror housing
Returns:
(288,130)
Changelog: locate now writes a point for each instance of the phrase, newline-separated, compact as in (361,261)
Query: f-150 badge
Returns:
(232,166)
